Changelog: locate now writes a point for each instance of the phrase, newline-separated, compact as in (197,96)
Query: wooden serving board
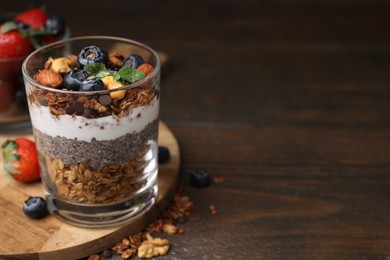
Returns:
(49,238)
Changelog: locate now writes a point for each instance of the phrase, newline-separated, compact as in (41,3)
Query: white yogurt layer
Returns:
(103,128)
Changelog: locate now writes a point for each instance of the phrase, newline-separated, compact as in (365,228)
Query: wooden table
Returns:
(288,101)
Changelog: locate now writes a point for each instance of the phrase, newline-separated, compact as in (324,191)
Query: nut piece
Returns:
(110,83)
(115,59)
(170,229)
(153,247)
(64,64)
(48,78)
(146,68)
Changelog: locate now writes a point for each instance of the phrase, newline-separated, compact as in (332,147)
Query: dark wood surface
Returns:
(289,101)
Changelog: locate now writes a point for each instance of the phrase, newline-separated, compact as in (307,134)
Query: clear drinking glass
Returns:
(98,154)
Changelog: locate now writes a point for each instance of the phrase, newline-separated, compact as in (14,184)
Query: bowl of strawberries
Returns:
(20,34)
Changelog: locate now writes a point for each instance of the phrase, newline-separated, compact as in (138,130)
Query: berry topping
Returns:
(92,85)
(91,54)
(200,178)
(35,207)
(74,79)
(133,61)
(163,154)
(56,25)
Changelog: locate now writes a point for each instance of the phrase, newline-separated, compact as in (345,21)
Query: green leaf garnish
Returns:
(116,76)
(95,69)
(130,74)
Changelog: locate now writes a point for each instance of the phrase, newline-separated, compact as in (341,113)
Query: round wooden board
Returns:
(49,238)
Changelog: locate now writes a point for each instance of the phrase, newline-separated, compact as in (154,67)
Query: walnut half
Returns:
(153,247)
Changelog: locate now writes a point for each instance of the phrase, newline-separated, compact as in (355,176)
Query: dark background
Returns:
(288,100)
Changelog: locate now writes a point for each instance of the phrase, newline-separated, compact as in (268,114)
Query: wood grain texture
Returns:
(289,101)
(49,238)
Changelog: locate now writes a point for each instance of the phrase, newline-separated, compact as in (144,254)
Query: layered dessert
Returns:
(95,122)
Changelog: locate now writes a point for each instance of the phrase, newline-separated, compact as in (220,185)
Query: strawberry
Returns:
(20,159)
(12,43)
(35,18)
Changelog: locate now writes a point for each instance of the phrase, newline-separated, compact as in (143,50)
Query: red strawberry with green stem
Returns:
(35,18)
(20,159)
(12,43)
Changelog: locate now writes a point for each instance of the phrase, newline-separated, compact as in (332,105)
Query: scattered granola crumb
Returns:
(218,179)
(128,246)
(177,212)
(181,231)
(93,257)
(213,209)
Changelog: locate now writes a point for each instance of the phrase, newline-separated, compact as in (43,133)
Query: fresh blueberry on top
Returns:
(92,85)
(133,61)
(200,178)
(56,25)
(35,207)
(74,79)
(163,154)
(91,54)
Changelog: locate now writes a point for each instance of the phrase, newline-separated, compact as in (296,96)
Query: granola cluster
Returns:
(94,106)
(82,184)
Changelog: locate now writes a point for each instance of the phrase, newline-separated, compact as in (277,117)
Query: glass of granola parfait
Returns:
(94,108)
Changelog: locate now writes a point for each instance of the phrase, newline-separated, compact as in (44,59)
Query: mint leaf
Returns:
(130,74)
(102,74)
(116,76)
(96,69)
(9,26)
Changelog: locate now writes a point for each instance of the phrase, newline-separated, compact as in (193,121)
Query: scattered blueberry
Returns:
(107,253)
(35,207)
(74,78)
(200,178)
(92,85)
(56,25)
(92,54)
(133,61)
(163,154)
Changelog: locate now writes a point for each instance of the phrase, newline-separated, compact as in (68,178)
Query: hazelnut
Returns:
(115,59)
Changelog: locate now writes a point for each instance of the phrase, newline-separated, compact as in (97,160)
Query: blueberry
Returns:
(56,25)
(200,178)
(133,61)
(92,54)
(35,207)
(74,79)
(22,25)
(92,85)
(107,253)
(163,154)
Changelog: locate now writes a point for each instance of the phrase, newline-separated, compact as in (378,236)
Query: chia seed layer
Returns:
(96,153)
